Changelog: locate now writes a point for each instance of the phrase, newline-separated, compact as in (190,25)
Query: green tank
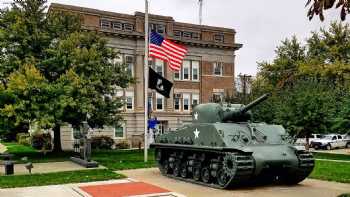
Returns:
(222,148)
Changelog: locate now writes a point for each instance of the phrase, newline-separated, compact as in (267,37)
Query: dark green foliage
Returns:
(102,142)
(309,83)
(58,178)
(41,141)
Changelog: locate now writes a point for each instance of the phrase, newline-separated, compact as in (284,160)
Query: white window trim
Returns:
(195,95)
(180,76)
(156,65)
(188,97)
(197,65)
(177,110)
(222,68)
(132,95)
(133,64)
(150,98)
(123,125)
(183,70)
(159,96)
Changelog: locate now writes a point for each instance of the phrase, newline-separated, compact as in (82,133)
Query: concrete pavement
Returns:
(48,167)
(309,187)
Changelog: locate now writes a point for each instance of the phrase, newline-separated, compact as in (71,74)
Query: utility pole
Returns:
(200,2)
(244,81)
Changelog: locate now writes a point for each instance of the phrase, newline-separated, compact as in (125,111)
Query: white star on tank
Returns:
(196,133)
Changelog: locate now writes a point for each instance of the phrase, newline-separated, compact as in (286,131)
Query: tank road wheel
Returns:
(177,169)
(230,165)
(166,167)
(222,178)
(206,175)
(158,155)
(197,174)
(183,172)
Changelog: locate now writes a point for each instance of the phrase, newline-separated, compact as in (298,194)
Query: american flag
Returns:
(167,51)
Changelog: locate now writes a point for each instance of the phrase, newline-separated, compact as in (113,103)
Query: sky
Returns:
(260,24)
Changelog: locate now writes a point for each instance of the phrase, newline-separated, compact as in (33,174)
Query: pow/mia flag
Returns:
(159,83)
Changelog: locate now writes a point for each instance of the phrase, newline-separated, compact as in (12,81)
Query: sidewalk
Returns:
(49,167)
(2,148)
(115,188)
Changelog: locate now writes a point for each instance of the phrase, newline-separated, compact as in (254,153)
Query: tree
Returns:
(310,83)
(317,7)
(71,73)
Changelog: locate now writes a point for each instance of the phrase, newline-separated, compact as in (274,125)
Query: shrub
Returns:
(41,141)
(102,142)
(122,145)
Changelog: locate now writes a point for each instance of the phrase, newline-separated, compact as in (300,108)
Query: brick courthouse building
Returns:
(207,71)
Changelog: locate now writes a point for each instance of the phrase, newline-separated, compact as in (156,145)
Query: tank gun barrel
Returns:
(241,114)
(254,103)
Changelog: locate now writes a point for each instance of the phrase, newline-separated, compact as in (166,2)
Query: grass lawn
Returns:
(331,156)
(332,171)
(124,159)
(33,155)
(57,178)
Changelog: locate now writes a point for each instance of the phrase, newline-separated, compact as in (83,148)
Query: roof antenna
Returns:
(200,2)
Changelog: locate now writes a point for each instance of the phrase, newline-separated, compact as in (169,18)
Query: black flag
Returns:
(159,83)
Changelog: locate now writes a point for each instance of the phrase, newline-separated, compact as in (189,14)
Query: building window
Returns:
(150,102)
(195,70)
(129,97)
(129,61)
(160,102)
(119,131)
(186,70)
(105,24)
(218,97)
(177,33)
(219,38)
(177,75)
(117,26)
(195,99)
(159,67)
(195,36)
(159,28)
(218,68)
(128,27)
(186,34)
(177,98)
(186,102)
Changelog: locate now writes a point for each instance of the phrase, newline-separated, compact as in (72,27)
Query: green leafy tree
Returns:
(72,74)
(309,83)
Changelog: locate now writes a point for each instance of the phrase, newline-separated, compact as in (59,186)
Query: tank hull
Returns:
(223,168)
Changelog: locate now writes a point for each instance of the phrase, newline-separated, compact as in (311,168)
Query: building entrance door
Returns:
(162,126)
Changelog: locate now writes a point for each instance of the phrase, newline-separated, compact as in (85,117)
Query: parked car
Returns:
(329,142)
(314,136)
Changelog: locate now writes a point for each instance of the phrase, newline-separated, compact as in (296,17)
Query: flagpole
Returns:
(146,82)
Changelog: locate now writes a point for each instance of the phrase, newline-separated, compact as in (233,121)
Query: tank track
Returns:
(211,168)
(222,170)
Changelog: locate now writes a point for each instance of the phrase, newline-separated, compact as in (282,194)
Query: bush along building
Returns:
(207,72)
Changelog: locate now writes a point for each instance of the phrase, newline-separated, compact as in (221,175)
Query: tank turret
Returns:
(214,112)
(242,114)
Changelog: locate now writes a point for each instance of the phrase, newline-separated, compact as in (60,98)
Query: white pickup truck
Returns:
(313,137)
(329,142)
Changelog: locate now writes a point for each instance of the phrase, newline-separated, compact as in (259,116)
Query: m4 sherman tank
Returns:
(221,148)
